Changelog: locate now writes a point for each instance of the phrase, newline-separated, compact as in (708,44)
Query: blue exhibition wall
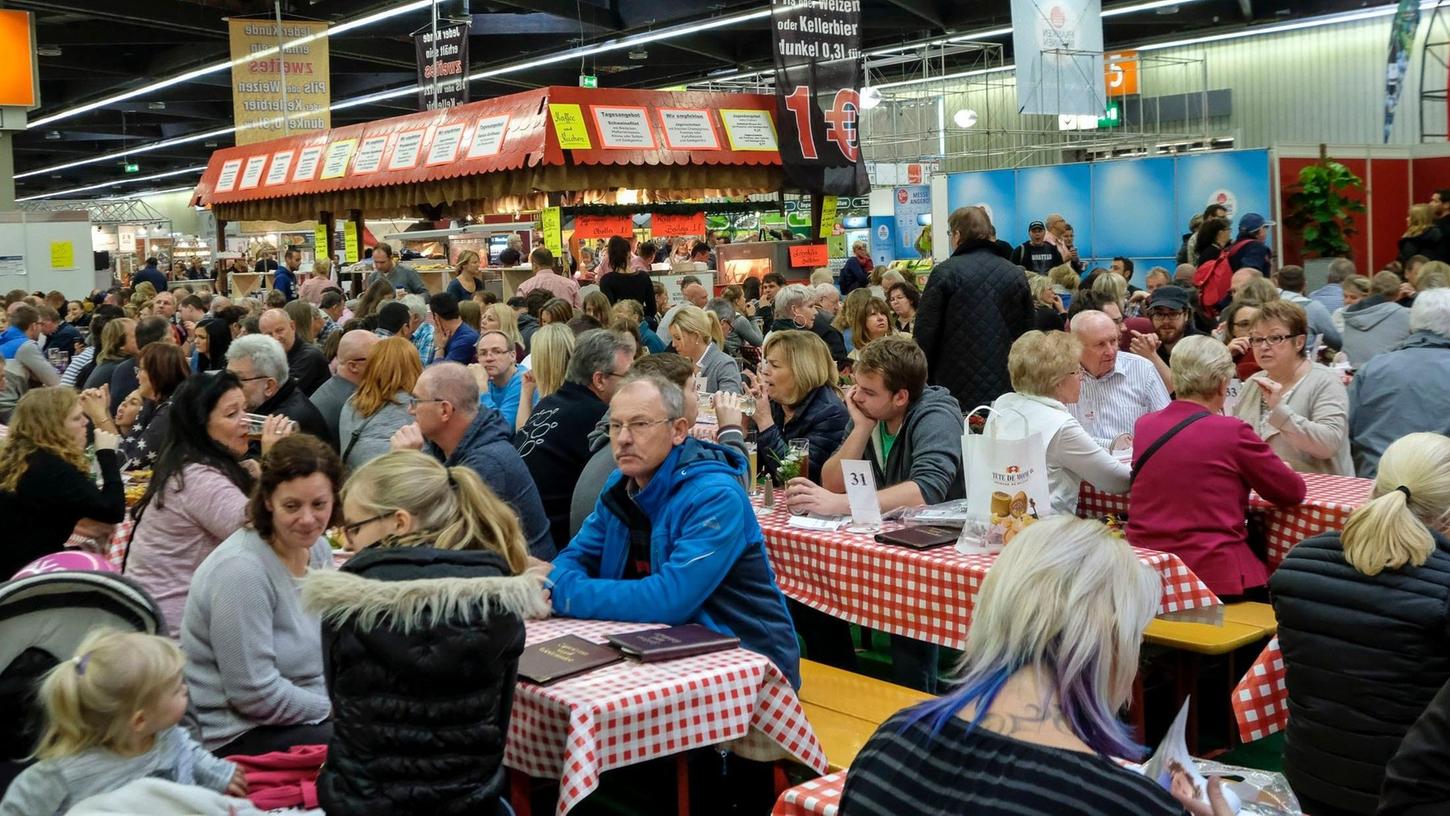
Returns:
(1137,208)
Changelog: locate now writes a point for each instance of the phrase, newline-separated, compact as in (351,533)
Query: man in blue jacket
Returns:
(673,538)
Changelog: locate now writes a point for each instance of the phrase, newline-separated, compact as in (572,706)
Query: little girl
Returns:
(111,719)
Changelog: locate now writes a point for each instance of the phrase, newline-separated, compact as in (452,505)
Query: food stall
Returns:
(582,159)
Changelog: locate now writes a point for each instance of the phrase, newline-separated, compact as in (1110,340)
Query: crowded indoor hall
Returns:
(791,407)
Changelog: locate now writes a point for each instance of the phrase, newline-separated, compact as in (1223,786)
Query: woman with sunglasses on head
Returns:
(423,627)
(1299,407)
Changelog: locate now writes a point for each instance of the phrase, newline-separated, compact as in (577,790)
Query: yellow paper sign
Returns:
(62,255)
(549,225)
(569,127)
(828,216)
(337,158)
(350,242)
(319,241)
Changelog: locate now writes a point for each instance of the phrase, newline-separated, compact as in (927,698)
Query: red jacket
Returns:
(1193,497)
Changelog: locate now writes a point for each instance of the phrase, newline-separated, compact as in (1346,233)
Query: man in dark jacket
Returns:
(554,443)
(261,365)
(305,362)
(975,305)
(1036,254)
(1417,780)
(450,424)
(1251,247)
(124,378)
(149,274)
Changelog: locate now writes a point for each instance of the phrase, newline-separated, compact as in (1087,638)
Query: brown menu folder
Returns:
(687,640)
(562,657)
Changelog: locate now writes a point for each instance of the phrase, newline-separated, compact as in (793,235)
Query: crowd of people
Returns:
(585,447)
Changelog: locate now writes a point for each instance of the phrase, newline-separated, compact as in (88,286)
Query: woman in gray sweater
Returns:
(379,407)
(698,335)
(254,657)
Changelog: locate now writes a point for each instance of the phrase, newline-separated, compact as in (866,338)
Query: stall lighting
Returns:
(197,169)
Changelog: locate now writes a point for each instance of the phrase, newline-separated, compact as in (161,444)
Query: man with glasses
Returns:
(503,379)
(1117,388)
(673,538)
(451,425)
(261,365)
(353,350)
(554,443)
(1172,321)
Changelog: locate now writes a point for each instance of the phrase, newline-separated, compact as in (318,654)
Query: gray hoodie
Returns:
(1372,326)
(928,448)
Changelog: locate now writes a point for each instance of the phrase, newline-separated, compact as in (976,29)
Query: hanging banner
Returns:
(443,58)
(589,227)
(549,223)
(1059,51)
(816,46)
(672,225)
(260,75)
(1402,38)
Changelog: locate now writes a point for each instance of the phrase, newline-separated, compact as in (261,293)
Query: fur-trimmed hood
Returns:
(414,588)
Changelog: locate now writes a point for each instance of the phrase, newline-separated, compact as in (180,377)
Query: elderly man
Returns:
(1117,389)
(1331,294)
(1405,390)
(353,350)
(219,303)
(1157,276)
(1172,318)
(694,294)
(828,299)
(449,423)
(164,306)
(795,309)
(306,362)
(673,538)
(1290,280)
(500,377)
(547,278)
(420,328)
(401,276)
(260,363)
(554,443)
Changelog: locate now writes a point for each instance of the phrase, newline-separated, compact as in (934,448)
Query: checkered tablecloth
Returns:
(576,729)
(1261,700)
(818,797)
(113,546)
(926,595)
(1328,501)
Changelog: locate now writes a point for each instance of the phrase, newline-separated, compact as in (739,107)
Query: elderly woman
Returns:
(797,381)
(856,274)
(1047,377)
(253,655)
(1192,472)
(1299,407)
(903,298)
(698,335)
(1033,725)
(1363,623)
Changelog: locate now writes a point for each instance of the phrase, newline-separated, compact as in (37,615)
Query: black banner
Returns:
(447,55)
(817,47)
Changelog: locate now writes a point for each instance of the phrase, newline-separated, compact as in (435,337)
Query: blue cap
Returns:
(1253,222)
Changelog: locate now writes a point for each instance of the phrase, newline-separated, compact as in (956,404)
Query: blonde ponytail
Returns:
(482,519)
(1411,495)
(717,331)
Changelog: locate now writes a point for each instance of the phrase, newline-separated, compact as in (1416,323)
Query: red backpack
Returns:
(1213,278)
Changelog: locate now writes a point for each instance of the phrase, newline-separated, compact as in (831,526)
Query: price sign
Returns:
(549,221)
(809,255)
(861,493)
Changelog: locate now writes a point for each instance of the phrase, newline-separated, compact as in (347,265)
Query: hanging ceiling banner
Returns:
(818,74)
(1402,39)
(265,83)
(1059,54)
(445,58)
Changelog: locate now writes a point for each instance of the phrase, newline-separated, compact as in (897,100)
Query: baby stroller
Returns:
(43,619)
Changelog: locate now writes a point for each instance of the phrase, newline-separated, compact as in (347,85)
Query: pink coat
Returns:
(1193,497)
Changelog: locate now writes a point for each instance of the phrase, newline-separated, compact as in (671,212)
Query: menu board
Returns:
(227,179)
(689,129)
(406,151)
(281,165)
(445,144)
(570,126)
(252,173)
(749,130)
(307,163)
(488,136)
(623,128)
(339,153)
(370,155)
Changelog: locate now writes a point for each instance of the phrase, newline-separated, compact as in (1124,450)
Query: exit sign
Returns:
(1113,117)
(588,81)
(132,168)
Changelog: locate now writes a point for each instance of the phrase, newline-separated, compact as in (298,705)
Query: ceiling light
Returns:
(52,135)
(156,106)
(48,51)
(965,118)
(638,54)
(130,180)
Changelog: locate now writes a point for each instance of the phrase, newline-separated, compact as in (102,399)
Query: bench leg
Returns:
(682,784)
(782,781)
(519,793)
(1185,682)
(1137,717)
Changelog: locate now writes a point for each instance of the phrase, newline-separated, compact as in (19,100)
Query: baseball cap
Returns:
(1036,225)
(1252,222)
(1171,297)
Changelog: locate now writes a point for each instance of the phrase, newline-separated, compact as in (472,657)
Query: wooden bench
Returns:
(845,708)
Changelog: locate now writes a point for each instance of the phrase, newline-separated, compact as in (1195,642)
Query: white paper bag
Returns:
(1007,487)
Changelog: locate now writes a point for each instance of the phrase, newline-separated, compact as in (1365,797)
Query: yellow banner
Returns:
(319,241)
(569,127)
(258,73)
(828,216)
(549,224)
(350,242)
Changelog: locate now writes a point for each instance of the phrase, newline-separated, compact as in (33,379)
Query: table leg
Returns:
(782,781)
(682,783)
(1188,665)
(519,793)
(1137,717)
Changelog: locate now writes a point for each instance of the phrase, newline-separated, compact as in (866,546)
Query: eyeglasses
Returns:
(252,379)
(639,426)
(1164,315)
(348,530)
(615,373)
(414,402)
(1270,341)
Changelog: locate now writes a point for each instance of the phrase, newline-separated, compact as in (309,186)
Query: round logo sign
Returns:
(1225,199)
(883,233)
(902,195)
(1057,17)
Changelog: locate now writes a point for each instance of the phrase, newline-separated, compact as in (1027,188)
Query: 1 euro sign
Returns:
(841,123)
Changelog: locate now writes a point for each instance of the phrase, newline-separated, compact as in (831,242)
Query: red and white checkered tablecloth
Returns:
(818,797)
(629,712)
(1261,700)
(113,547)
(926,595)
(1328,501)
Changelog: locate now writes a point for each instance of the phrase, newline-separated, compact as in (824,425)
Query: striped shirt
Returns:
(77,364)
(985,774)
(1110,405)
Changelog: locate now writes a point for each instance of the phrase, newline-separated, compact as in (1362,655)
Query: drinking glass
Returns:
(797,463)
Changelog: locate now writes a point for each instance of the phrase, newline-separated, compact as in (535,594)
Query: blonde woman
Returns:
(45,480)
(797,382)
(118,344)
(1113,285)
(871,323)
(1421,236)
(1363,622)
(467,279)
(1356,288)
(501,317)
(1046,373)
(441,568)
(379,407)
(312,288)
(699,337)
(547,364)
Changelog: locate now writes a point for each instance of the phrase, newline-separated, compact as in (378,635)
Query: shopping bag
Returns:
(1006,475)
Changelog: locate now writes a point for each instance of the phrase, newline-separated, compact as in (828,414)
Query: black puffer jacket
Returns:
(1364,656)
(975,305)
(421,650)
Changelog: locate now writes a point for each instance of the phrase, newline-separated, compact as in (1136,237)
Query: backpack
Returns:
(1213,278)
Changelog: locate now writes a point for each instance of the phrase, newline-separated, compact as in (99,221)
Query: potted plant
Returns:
(1323,213)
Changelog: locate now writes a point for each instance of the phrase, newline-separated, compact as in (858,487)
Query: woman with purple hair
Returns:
(1032,727)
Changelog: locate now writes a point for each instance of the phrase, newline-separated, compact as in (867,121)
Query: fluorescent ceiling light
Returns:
(142,193)
(227,64)
(197,169)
